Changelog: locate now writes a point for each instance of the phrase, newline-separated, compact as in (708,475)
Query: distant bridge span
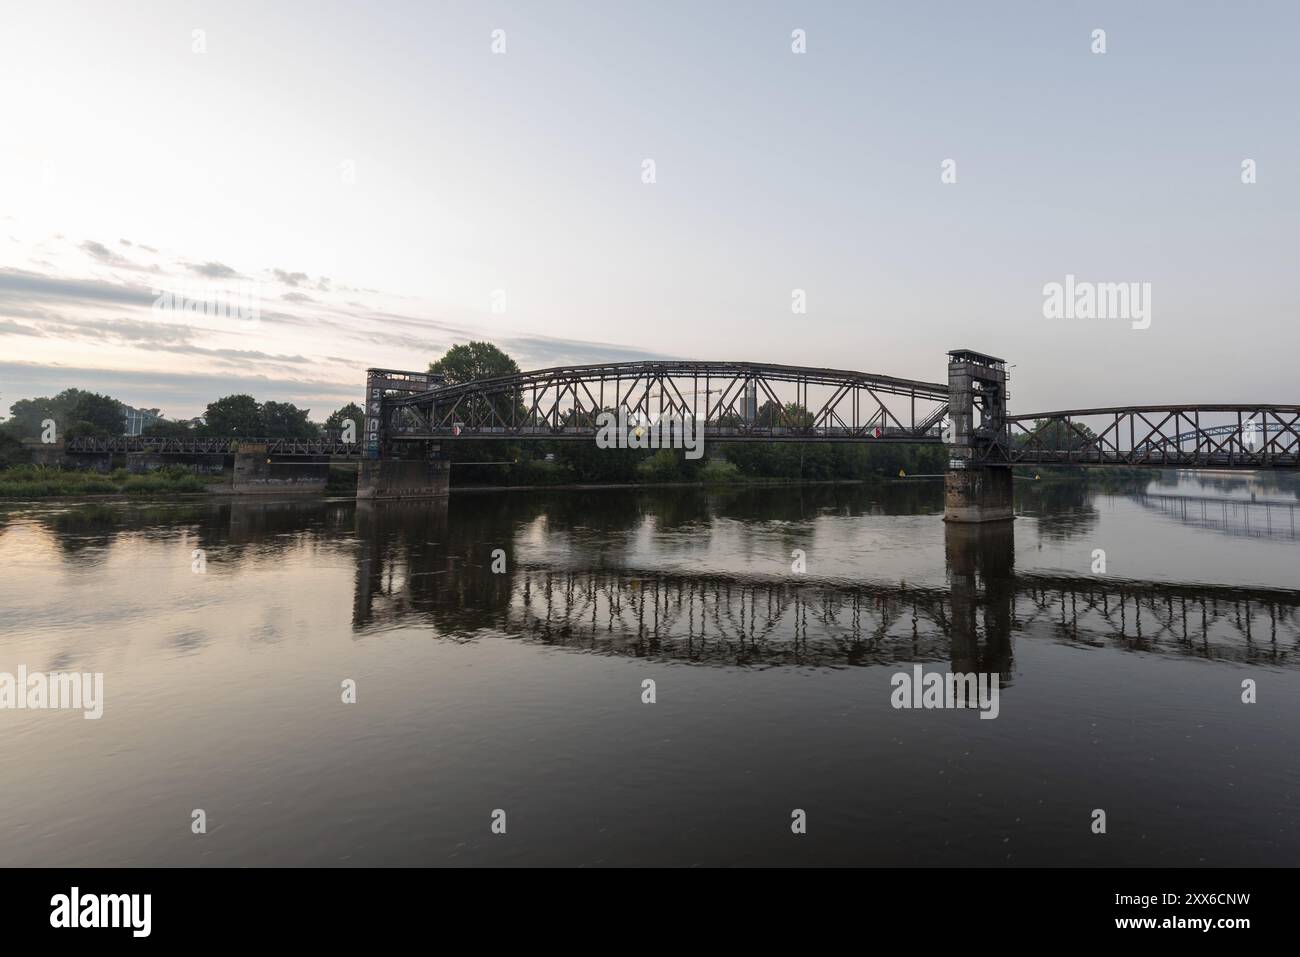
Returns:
(1160,436)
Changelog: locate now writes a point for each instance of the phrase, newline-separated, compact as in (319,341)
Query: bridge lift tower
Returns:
(387,471)
(977,483)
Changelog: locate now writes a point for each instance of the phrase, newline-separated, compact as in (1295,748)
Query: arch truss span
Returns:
(1159,436)
(730,401)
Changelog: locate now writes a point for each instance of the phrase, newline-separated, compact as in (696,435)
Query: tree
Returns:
(1055,436)
(768,414)
(103,414)
(590,463)
(12,451)
(168,429)
(26,416)
(284,420)
(237,415)
(350,411)
(474,360)
(74,411)
(792,415)
(467,363)
(481,360)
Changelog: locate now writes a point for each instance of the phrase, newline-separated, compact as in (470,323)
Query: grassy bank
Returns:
(38,481)
(477,463)
(33,481)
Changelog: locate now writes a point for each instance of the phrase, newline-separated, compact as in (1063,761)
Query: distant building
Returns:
(137,420)
(749,403)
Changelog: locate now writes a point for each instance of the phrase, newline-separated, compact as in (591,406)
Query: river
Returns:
(501,648)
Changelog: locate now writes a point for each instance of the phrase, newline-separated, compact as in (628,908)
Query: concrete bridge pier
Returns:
(404,478)
(979,494)
(257,472)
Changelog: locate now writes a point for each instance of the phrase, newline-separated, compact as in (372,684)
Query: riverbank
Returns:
(733,483)
(39,481)
(33,482)
(47,483)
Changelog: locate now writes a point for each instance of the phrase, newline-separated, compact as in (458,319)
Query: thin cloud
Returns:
(543,351)
(243,355)
(289,278)
(16,284)
(213,270)
(90,314)
(105,255)
(10,328)
(137,332)
(174,391)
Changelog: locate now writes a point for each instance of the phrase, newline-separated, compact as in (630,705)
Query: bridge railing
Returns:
(931,436)
(219,445)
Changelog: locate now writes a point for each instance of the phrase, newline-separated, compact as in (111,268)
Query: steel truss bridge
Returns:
(1161,436)
(730,401)
(766,402)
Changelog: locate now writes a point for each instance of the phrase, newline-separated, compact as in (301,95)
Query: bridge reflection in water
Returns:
(408,573)
(1246,518)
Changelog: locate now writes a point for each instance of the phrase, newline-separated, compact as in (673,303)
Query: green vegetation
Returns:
(1053,435)
(342,480)
(37,481)
(169,429)
(719,472)
(11,450)
(582,463)
(350,411)
(241,415)
(74,412)
(474,360)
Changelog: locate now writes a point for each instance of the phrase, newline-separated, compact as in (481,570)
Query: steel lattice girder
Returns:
(564,402)
(1254,436)
(211,446)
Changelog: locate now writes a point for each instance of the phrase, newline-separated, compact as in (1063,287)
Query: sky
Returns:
(382,184)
